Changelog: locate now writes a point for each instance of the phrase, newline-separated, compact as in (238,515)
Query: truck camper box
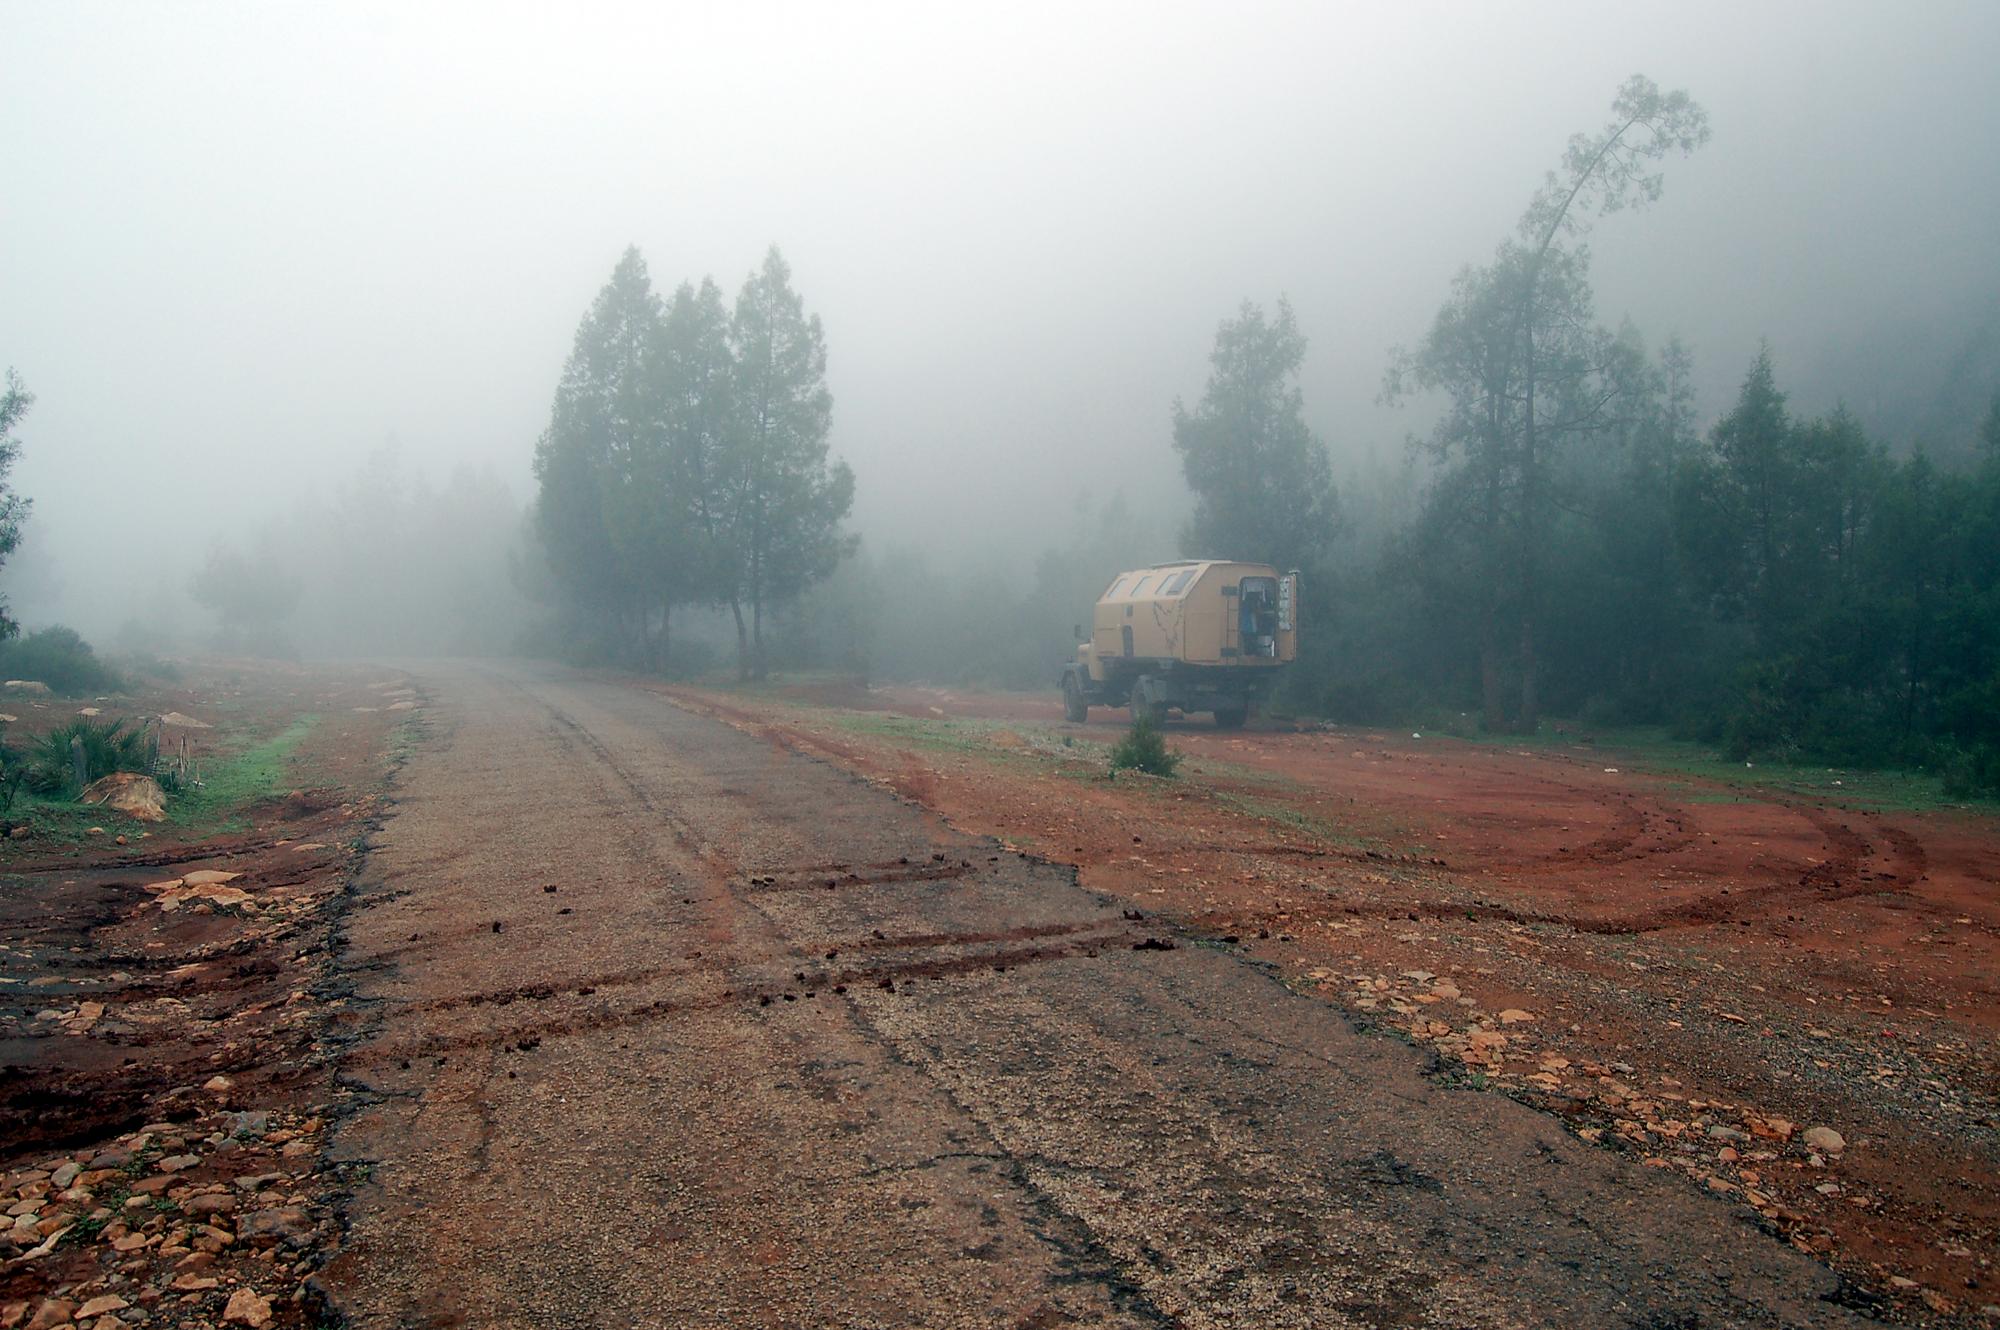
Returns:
(1197,635)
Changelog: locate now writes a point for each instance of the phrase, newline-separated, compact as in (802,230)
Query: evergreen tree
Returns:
(1518,353)
(1262,484)
(605,417)
(14,404)
(783,501)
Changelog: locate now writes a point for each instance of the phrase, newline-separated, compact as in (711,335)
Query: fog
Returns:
(244,249)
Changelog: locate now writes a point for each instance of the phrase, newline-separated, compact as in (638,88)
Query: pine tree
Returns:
(1262,484)
(14,404)
(783,501)
(605,415)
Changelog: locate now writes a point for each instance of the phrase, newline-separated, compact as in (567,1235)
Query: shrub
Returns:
(1971,773)
(1144,748)
(60,658)
(13,774)
(107,747)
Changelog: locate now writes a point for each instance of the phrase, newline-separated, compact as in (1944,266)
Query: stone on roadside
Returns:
(1825,1140)
(129,793)
(53,1312)
(287,1224)
(247,1307)
(248,1123)
(215,1203)
(1514,1016)
(103,1305)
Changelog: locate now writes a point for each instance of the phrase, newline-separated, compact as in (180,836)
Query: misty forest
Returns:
(1547,529)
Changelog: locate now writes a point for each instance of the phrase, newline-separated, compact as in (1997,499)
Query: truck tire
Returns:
(1144,703)
(1231,718)
(1075,709)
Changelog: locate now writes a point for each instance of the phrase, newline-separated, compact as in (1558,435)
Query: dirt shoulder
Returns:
(163,988)
(1787,1000)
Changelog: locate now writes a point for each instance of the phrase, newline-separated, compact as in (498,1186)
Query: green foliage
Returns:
(14,403)
(1782,590)
(783,502)
(260,771)
(685,463)
(605,414)
(1144,748)
(896,614)
(1262,485)
(1529,376)
(252,593)
(107,747)
(13,773)
(60,658)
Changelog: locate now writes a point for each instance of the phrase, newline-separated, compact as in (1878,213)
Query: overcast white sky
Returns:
(242,245)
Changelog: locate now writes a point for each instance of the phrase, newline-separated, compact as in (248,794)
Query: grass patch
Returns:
(1654,751)
(60,821)
(957,736)
(1320,829)
(228,784)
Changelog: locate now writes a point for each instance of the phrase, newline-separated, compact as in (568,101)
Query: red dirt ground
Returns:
(1697,974)
(162,1086)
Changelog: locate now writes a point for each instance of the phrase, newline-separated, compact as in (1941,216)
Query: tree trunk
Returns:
(742,641)
(1530,703)
(757,667)
(1492,707)
(666,619)
(1531,499)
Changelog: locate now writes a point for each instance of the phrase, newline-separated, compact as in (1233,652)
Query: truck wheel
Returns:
(1144,704)
(1075,709)
(1231,718)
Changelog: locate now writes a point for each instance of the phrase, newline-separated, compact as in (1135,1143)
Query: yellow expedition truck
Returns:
(1199,635)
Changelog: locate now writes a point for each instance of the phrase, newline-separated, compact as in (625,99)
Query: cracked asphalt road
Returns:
(670,1026)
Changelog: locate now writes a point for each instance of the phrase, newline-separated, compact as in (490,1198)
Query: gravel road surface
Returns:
(669,1026)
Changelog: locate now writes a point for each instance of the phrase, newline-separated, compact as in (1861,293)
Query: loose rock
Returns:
(247,1307)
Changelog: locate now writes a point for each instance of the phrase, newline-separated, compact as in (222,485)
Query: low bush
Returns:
(60,658)
(13,773)
(107,747)
(1144,748)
